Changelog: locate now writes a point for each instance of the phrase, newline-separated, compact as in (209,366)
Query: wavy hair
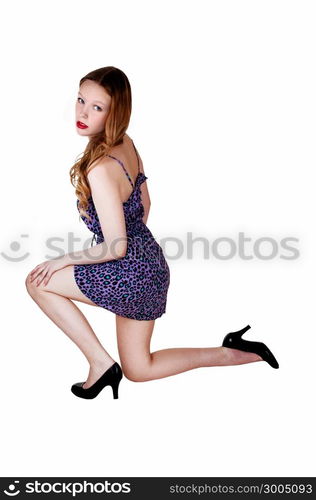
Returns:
(117,85)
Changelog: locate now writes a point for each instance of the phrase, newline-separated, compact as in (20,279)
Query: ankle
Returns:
(102,363)
(215,356)
(229,355)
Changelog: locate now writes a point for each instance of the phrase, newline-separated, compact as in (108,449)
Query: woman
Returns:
(125,272)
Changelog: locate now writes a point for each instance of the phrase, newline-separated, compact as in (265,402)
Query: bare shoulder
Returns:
(104,170)
(100,163)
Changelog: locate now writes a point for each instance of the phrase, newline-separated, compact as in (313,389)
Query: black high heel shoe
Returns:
(111,377)
(234,341)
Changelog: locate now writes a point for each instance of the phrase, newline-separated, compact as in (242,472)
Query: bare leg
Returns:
(172,361)
(68,317)
(139,364)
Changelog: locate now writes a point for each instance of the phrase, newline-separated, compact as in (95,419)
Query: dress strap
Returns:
(136,155)
(121,163)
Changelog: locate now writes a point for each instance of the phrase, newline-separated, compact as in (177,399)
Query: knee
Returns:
(30,285)
(136,373)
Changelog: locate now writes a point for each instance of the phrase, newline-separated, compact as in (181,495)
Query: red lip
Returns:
(81,125)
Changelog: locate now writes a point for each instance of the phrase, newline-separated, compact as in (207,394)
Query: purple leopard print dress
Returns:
(136,285)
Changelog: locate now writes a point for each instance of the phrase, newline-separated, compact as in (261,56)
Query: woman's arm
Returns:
(102,252)
(106,197)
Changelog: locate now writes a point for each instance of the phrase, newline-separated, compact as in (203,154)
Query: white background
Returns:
(224,119)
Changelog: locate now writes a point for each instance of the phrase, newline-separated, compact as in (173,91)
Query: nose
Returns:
(83,112)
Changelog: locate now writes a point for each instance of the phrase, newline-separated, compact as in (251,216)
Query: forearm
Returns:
(96,254)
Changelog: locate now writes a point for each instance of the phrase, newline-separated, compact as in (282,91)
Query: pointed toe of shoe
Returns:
(271,360)
(78,390)
(78,384)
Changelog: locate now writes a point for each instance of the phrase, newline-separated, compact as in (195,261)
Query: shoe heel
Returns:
(115,386)
(234,336)
(239,333)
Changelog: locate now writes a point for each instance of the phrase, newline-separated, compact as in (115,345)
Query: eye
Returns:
(80,98)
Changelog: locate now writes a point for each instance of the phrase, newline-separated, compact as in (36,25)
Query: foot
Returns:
(237,357)
(96,371)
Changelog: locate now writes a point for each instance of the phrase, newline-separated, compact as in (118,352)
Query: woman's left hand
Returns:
(45,270)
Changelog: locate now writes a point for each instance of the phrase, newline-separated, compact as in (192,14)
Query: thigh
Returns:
(63,283)
(133,341)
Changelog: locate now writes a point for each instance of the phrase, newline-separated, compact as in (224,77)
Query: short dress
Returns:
(134,286)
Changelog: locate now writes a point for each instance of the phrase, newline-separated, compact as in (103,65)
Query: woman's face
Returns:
(93,103)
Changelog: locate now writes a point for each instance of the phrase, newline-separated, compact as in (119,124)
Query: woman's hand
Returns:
(45,270)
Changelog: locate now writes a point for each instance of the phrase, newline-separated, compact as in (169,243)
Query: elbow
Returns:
(121,250)
(115,250)
(122,253)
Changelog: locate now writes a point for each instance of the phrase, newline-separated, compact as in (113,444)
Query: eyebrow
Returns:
(94,101)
